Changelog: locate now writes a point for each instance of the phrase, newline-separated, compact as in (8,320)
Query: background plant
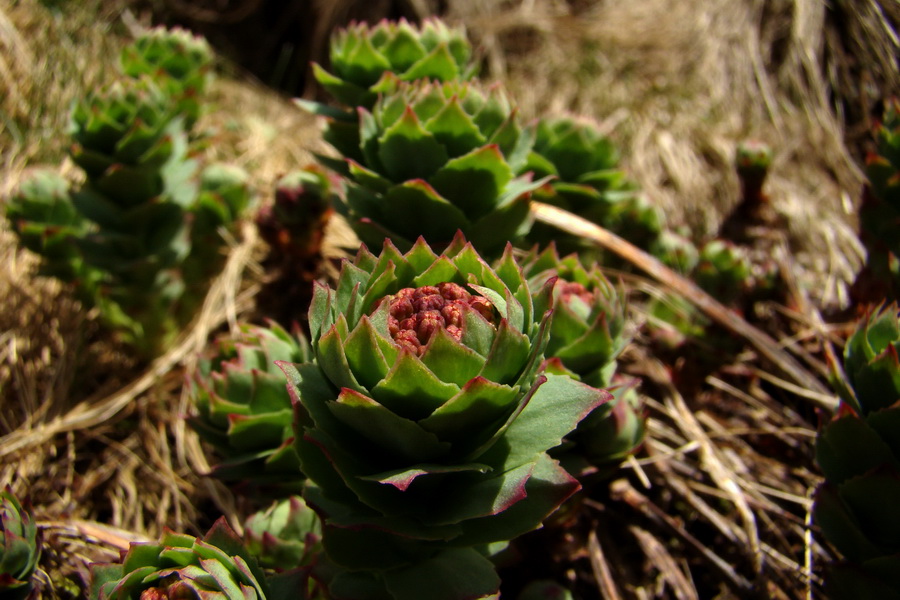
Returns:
(140,238)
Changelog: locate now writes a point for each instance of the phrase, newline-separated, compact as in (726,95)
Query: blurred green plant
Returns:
(141,237)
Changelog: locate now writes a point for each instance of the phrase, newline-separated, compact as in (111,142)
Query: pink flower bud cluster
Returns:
(417,313)
(565,289)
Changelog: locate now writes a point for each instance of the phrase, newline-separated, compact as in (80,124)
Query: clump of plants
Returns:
(139,239)
(243,412)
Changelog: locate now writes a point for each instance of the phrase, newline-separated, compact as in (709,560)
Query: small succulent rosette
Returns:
(178,61)
(424,424)
(284,536)
(244,412)
(587,334)
(183,566)
(20,548)
(41,214)
(361,54)
(434,158)
(588,330)
(585,179)
(859,454)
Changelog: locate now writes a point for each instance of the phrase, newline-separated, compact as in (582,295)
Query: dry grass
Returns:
(717,506)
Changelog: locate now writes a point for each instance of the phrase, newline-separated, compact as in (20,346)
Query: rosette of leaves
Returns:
(859,454)
(183,566)
(284,536)
(244,411)
(587,334)
(179,62)
(437,158)
(140,237)
(361,54)
(19,548)
(588,329)
(424,424)
(880,211)
(586,181)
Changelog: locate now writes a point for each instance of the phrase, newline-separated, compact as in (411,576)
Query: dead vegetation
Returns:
(717,505)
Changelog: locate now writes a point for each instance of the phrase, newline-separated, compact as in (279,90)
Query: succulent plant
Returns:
(294,224)
(582,162)
(361,54)
(588,329)
(140,238)
(587,335)
(244,412)
(435,158)
(675,251)
(284,536)
(177,61)
(42,215)
(19,548)
(423,425)
(183,566)
(724,270)
(859,454)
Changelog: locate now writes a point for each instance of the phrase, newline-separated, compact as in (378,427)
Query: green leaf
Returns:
(840,527)
(364,64)
(364,355)
(400,437)
(872,499)
(404,48)
(451,361)
(438,64)
(455,129)
(453,574)
(401,479)
(508,355)
(411,390)
(847,447)
(333,361)
(415,209)
(475,181)
(481,496)
(552,413)
(471,417)
(408,151)
(549,486)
